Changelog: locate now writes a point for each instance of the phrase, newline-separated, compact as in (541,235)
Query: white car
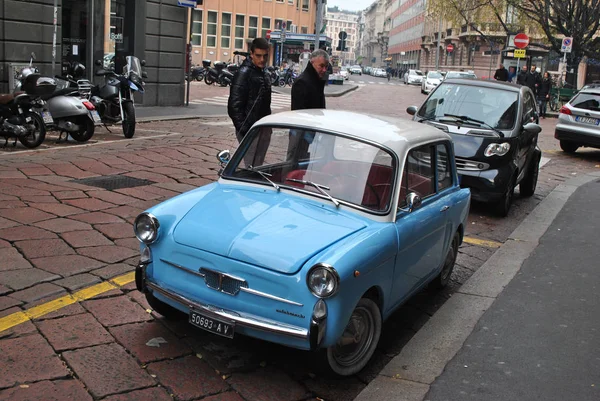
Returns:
(355,69)
(344,73)
(413,77)
(379,72)
(431,81)
(460,74)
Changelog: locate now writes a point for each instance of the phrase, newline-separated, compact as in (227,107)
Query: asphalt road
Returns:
(180,154)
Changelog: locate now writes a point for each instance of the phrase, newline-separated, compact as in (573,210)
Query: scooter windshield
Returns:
(133,64)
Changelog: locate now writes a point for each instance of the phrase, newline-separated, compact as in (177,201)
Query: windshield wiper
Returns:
(262,174)
(472,120)
(319,188)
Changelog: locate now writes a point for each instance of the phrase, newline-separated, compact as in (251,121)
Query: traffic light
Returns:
(342,42)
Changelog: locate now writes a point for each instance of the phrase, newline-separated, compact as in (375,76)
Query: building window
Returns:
(266,25)
(252,27)
(211,29)
(225,30)
(289,26)
(197,28)
(304,29)
(278,24)
(279,1)
(305,4)
(291,2)
(240,21)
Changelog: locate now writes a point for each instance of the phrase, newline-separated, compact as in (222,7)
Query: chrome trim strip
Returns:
(238,318)
(273,297)
(183,268)
(248,290)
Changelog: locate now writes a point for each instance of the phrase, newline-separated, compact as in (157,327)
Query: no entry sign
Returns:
(450,48)
(521,41)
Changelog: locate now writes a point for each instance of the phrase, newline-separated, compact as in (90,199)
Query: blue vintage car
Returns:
(321,224)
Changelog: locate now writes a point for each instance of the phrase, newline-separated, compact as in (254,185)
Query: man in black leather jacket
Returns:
(250,93)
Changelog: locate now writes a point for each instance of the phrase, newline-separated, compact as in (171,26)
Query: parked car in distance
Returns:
(494,128)
(460,74)
(380,72)
(356,69)
(413,77)
(579,120)
(321,224)
(344,73)
(430,81)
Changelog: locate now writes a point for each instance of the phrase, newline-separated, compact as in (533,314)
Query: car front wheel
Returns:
(358,342)
(529,182)
(503,205)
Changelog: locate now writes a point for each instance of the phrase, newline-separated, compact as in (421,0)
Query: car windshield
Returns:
(586,101)
(326,165)
(416,73)
(460,75)
(495,107)
(434,75)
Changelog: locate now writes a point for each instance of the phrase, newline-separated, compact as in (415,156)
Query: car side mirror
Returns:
(143,63)
(413,202)
(532,128)
(224,156)
(98,62)
(412,110)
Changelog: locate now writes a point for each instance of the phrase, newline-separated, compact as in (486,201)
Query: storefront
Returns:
(293,45)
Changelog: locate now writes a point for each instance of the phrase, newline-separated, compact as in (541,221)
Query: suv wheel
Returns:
(569,147)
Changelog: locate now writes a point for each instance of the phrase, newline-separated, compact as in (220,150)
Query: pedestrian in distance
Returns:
(543,95)
(501,73)
(512,73)
(534,79)
(522,76)
(250,92)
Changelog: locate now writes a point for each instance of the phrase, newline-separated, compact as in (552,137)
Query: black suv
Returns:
(494,127)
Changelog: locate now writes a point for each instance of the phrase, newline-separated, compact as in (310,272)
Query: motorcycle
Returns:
(274,75)
(289,76)
(114,99)
(197,73)
(218,74)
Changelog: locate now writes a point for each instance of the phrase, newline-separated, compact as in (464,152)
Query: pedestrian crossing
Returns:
(279,101)
(362,83)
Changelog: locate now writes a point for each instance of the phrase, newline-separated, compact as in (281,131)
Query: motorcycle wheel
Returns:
(281,82)
(208,80)
(37,131)
(128,119)
(199,77)
(86,130)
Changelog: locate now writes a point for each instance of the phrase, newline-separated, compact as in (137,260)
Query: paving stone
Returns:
(4,290)
(23,278)
(12,205)
(267,385)
(12,259)
(58,209)
(21,329)
(12,174)
(107,369)
(4,223)
(138,297)
(62,225)
(188,377)
(25,232)
(46,390)
(27,359)
(131,243)
(38,170)
(25,215)
(38,292)
(71,171)
(149,341)
(139,192)
(69,310)
(6,302)
(44,247)
(112,270)
(116,311)
(69,194)
(34,200)
(81,239)
(116,230)
(176,187)
(98,218)
(73,332)
(76,282)
(126,211)
(67,265)
(89,204)
(148,394)
(116,292)
(228,396)
(108,254)
(113,197)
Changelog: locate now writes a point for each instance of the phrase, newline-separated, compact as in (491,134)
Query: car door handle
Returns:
(443,209)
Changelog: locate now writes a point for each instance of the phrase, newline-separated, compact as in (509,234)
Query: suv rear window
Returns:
(586,101)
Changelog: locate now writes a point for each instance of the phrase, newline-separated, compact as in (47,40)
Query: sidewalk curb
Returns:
(177,117)
(335,94)
(408,376)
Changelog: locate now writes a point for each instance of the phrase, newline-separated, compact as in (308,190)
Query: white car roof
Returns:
(396,133)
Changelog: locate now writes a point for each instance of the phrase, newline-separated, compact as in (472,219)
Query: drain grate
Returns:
(112,182)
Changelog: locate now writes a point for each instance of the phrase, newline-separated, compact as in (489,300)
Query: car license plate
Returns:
(95,116)
(587,120)
(47,117)
(213,325)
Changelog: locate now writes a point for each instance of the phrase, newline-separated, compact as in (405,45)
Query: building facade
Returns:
(372,49)
(406,31)
(343,21)
(220,27)
(90,30)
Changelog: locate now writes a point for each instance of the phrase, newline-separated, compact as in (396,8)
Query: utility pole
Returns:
(55,23)
(439,37)
(319,23)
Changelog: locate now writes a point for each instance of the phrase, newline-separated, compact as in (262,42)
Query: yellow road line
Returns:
(482,242)
(17,318)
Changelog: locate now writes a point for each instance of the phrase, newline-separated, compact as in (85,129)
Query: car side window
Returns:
(528,109)
(444,172)
(418,173)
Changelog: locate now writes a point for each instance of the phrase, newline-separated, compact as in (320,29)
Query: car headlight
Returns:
(322,280)
(497,149)
(146,228)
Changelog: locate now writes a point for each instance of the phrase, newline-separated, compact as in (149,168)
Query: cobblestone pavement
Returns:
(72,325)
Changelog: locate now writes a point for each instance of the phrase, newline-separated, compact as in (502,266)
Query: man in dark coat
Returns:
(522,76)
(308,92)
(533,79)
(250,92)
(501,73)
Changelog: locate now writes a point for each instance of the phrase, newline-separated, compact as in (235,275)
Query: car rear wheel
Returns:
(359,340)
(163,309)
(569,147)
(529,182)
(443,278)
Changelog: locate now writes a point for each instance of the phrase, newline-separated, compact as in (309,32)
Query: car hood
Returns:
(433,81)
(273,230)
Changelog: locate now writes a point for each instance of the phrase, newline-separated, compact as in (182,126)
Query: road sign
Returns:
(521,41)
(268,35)
(283,35)
(450,48)
(187,3)
(567,45)
(519,53)
(342,35)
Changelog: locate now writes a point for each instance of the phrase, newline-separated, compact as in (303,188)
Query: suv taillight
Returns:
(565,110)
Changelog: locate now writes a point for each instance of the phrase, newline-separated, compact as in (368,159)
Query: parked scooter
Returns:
(114,99)
(274,75)
(288,77)
(218,74)
(197,73)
